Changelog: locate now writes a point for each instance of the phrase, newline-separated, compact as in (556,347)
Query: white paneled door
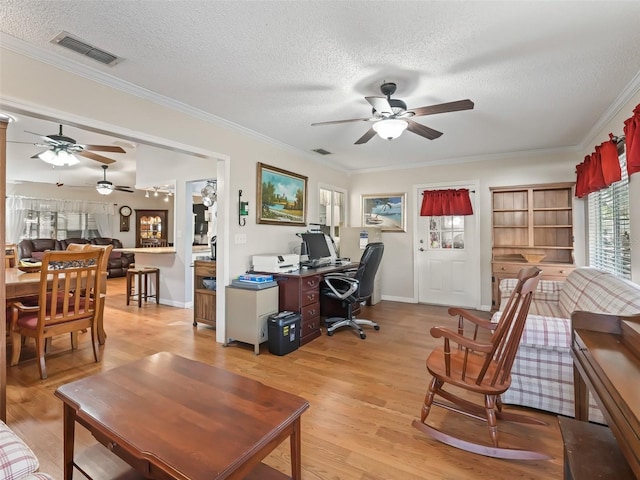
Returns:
(447,256)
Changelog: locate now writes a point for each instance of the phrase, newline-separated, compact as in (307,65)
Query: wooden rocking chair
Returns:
(484,368)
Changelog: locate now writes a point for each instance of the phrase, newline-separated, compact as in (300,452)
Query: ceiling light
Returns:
(146,194)
(166,198)
(58,158)
(155,194)
(104,187)
(390,128)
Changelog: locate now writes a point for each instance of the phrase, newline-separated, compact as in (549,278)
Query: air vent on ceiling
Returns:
(321,151)
(71,42)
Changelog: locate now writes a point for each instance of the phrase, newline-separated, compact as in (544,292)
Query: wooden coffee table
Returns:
(169,417)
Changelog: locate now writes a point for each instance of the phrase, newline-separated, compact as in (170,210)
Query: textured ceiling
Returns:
(542,74)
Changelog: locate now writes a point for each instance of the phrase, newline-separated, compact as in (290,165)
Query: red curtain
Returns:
(632,134)
(599,170)
(446,202)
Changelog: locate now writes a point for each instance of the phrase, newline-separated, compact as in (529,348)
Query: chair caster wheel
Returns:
(363,336)
(329,333)
(377,327)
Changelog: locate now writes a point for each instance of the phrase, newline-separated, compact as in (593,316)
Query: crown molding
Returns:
(24,48)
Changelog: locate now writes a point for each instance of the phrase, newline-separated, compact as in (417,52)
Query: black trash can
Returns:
(284,332)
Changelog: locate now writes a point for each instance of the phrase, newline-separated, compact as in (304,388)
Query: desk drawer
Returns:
(548,270)
(309,297)
(141,465)
(310,311)
(310,284)
(309,326)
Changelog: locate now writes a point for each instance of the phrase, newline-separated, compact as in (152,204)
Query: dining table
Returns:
(19,284)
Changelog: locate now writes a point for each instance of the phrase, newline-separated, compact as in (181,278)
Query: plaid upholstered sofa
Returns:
(17,461)
(542,374)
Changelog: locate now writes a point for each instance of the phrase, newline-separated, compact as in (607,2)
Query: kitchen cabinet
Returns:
(151,225)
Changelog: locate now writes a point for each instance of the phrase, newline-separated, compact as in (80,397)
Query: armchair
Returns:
(35,247)
(354,289)
(119,262)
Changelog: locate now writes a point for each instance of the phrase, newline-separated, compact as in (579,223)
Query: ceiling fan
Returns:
(61,150)
(105,187)
(392,117)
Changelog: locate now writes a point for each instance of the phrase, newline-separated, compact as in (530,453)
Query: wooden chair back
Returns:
(66,303)
(506,337)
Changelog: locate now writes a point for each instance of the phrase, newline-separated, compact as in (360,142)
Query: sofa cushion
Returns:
(597,291)
(16,458)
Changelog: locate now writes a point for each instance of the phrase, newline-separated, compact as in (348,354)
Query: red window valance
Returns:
(446,202)
(632,134)
(599,170)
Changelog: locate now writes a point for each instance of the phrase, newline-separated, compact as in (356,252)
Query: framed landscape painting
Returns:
(282,197)
(387,211)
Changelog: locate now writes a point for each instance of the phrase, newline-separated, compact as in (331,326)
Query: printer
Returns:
(276,263)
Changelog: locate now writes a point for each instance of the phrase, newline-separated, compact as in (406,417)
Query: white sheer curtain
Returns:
(103,222)
(17,207)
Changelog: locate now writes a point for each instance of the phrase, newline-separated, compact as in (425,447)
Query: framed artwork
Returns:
(387,211)
(282,197)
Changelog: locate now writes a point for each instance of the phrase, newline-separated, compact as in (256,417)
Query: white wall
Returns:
(398,260)
(29,83)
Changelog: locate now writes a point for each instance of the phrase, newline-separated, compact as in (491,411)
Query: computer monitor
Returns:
(319,247)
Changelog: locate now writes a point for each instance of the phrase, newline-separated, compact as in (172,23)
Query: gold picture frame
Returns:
(281,197)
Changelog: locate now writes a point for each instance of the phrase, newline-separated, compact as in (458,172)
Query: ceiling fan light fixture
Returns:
(390,128)
(104,187)
(58,158)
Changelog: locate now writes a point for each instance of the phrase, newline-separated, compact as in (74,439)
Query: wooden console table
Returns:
(173,418)
(606,359)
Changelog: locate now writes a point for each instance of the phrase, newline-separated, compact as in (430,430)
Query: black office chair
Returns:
(350,289)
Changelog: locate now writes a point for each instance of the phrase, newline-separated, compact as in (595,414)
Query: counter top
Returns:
(152,250)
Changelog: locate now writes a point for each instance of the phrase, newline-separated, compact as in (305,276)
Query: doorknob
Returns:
(421,249)
(421,241)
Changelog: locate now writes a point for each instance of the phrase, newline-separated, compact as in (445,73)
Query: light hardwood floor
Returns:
(364,394)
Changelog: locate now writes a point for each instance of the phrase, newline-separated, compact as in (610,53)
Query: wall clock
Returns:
(125,213)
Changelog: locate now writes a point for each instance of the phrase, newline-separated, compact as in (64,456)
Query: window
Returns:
(609,227)
(58,225)
(446,232)
(332,212)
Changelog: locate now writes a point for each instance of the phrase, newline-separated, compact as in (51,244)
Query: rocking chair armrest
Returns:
(467,315)
(437,332)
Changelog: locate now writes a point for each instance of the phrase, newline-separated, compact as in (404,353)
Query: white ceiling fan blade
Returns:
(380,104)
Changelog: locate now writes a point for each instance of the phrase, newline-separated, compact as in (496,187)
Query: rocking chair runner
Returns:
(481,367)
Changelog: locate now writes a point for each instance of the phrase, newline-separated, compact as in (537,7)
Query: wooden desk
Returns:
(173,418)
(20,284)
(606,359)
(300,292)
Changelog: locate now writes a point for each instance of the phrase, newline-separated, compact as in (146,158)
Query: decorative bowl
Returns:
(533,257)
(209,283)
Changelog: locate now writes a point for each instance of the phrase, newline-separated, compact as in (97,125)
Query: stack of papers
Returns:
(255,278)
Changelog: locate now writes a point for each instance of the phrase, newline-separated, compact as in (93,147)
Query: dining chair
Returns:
(75,247)
(66,303)
(482,367)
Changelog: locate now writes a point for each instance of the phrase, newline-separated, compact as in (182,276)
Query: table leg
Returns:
(581,396)
(140,275)
(157,286)
(69,424)
(296,451)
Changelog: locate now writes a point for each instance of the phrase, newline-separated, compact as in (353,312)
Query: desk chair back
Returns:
(66,303)
(353,289)
(366,273)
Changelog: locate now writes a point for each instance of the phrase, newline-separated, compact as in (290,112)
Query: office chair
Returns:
(350,289)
